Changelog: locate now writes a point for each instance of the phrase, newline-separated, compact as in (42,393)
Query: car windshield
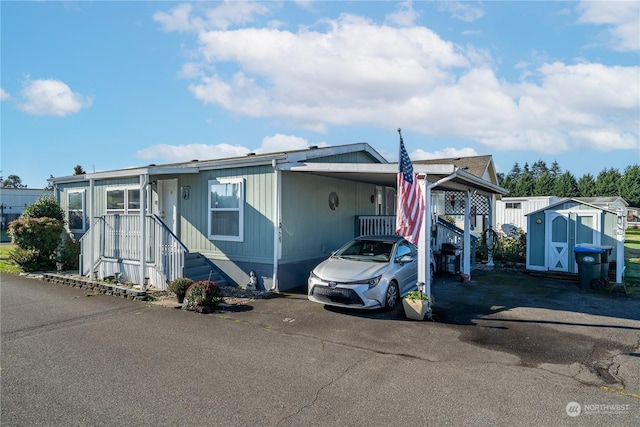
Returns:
(366,250)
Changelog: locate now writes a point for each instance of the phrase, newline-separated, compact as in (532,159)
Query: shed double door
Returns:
(564,231)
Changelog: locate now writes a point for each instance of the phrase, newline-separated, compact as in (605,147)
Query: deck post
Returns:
(144,180)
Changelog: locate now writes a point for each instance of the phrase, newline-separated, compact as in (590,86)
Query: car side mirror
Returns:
(406,259)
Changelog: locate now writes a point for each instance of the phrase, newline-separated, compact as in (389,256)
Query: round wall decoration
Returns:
(333,200)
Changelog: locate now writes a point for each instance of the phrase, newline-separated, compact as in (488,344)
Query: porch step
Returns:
(197,268)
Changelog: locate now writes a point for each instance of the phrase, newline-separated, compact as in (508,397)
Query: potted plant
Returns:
(416,304)
(179,287)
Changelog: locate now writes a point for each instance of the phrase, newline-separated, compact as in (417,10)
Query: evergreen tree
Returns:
(566,186)
(13,181)
(77,170)
(515,172)
(587,186)
(525,185)
(544,184)
(510,184)
(538,168)
(607,183)
(49,186)
(555,169)
(629,185)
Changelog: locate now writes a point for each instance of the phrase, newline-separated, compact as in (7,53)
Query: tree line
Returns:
(540,180)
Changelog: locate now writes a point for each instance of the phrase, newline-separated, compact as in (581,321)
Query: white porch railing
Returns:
(372,225)
(117,249)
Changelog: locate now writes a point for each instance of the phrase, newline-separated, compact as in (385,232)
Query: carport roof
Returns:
(386,175)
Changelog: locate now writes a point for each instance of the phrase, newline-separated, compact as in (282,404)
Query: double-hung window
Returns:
(75,211)
(226,209)
(123,201)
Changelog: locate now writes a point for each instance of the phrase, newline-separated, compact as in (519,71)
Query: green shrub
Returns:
(69,253)
(44,207)
(31,260)
(37,240)
(179,287)
(204,294)
(510,247)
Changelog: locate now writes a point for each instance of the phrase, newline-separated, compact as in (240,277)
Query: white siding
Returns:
(517,216)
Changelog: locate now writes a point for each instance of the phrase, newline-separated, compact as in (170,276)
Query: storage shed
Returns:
(554,232)
(512,211)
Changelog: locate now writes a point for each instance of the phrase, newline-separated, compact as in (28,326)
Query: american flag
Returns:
(410,200)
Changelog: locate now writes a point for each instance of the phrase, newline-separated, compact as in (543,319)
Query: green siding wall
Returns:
(310,229)
(258,215)
(537,243)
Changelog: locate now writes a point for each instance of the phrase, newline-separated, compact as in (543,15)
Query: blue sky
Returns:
(109,85)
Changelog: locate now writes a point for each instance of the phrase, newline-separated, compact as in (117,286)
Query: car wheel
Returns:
(391,297)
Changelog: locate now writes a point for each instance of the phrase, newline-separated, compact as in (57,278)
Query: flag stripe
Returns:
(410,203)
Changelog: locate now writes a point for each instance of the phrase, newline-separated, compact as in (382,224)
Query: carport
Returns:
(432,178)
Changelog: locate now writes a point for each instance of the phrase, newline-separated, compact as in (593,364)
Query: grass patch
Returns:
(6,265)
(632,256)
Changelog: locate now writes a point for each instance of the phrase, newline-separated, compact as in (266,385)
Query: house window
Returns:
(513,205)
(123,201)
(226,213)
(75,211)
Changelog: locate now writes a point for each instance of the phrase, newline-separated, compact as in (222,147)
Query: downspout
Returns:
(144,181)
(276,223)
(92,232)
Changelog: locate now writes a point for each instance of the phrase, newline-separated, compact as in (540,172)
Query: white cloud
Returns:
(4,95)
(224,15)
(51,97)
(357,72)
(280,142)
(188,152)
(449,152)
(621,18)
(467,12)
(405,16)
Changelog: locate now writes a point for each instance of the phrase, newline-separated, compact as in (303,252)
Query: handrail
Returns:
(116,242)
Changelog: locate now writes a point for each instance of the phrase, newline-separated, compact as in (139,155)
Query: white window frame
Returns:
(81,210)
(126,209)
(513,205)
(239,209)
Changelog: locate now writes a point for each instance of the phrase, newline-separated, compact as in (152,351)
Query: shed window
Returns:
(226,209)
(123,201)
(75,211)
(513,205)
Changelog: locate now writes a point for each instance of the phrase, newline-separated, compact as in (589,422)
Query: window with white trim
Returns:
(226,209)
(123,200)
(75,210)
(513,205)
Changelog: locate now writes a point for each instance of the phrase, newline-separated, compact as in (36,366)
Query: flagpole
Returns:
(424,246)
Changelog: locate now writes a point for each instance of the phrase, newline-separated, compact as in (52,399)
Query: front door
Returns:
(558,232)
(168,203)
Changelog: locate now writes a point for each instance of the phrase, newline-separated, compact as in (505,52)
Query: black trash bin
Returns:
(588,259)
(605,258)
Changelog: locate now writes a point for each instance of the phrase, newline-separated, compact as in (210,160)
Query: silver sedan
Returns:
(368,272)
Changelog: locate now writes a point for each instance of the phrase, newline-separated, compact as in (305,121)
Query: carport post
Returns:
(424,249)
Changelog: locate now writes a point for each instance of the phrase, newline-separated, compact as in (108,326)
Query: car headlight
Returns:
(374,281)
(312,275)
